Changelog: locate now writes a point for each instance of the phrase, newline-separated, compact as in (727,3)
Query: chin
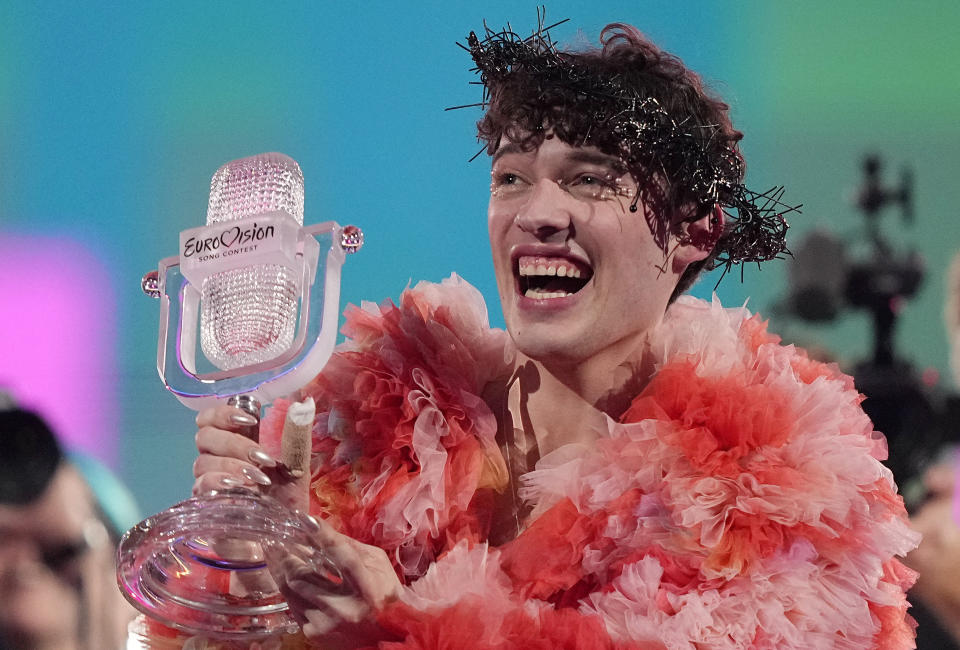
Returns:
(547,347)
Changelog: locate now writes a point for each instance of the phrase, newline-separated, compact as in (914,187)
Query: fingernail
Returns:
(261,458)
(256,476)
(230,482)
(312,524)
(243,418)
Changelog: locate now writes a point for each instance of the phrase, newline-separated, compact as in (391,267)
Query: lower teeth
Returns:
(535,293)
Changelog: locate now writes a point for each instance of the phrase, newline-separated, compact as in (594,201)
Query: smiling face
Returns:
(579,274)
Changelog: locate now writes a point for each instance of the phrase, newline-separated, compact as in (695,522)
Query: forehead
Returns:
(552,148)
(60,511)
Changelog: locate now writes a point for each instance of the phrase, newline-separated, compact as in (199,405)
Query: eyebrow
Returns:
(598,158)
(503,150)
(576,155)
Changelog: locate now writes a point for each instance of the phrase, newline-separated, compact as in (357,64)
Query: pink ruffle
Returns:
(466,601)
(399,409)
(740,502)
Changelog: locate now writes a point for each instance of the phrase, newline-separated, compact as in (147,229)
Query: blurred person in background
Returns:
(937,559)
(60,520)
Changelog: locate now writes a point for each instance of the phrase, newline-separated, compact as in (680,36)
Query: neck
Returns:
(559,403)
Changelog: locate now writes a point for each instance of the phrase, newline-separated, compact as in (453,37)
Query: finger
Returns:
(216,481)
(335,562)
(275,554)
(221,442)
(376,580)
(295,441)
(365,569)
(325,574)
(318,624)
(345,608)
(323,534)
(319,571)
(225,417)
(297,606)
(291,568)
(208,463)
(325,610)
(301,601)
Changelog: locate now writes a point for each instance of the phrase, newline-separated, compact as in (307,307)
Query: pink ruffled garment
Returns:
(740,502)
(404,451)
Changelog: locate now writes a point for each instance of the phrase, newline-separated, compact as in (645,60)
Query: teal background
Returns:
(113,116)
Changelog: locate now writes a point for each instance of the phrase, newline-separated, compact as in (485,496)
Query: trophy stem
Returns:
(251,406)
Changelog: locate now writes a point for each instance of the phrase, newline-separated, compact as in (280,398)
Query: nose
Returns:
(546,214)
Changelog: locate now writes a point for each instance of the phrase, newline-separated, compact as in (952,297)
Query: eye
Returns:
(59,557)
(592,185)
(505,183)
(595,179)
(588,179)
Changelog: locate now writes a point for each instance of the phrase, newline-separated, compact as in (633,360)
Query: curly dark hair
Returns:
(632,100)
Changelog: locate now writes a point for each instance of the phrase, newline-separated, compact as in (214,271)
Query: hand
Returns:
(937,559)
(229,459)
(337,615)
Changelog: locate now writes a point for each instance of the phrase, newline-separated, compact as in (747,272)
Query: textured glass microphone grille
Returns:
(268,182)
(248,315)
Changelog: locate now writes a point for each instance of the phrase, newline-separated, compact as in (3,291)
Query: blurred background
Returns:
(113,116)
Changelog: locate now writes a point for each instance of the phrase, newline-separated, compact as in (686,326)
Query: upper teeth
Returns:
(557,267)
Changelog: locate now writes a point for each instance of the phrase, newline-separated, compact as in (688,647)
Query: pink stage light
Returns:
(57,338)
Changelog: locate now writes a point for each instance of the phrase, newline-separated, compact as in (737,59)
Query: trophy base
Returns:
(200,566)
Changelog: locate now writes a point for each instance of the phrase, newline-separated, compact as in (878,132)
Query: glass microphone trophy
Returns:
(263,292)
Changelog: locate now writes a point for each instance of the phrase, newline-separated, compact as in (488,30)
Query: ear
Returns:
(696,239)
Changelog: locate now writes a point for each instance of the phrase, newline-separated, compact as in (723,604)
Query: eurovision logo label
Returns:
(234,240)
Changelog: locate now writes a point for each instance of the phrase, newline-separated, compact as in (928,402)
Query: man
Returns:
(57,573)
(613,473)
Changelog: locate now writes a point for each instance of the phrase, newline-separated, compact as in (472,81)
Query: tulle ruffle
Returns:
(739,503)
(404,448)
(465,601)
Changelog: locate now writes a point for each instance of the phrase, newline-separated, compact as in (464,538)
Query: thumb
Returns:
(295,443)
(292,475)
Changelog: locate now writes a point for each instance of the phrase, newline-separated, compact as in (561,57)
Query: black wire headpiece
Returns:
(585,106)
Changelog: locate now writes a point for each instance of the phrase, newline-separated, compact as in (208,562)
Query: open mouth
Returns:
(551,277)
